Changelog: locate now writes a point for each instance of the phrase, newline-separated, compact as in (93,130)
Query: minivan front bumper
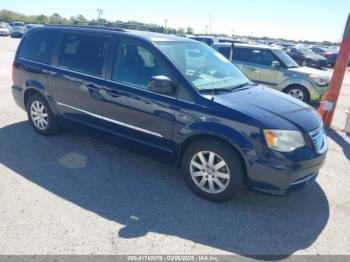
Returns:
(280,176)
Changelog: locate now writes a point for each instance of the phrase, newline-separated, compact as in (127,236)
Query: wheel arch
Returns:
(208,136)
(35,87)
(299,85)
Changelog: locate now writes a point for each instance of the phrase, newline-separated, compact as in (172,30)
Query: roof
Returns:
(247,46)
(144,35)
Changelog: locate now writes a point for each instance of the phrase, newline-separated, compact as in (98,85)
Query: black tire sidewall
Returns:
(232,159)
(51,119)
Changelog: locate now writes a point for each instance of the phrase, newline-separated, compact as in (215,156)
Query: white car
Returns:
(4,30)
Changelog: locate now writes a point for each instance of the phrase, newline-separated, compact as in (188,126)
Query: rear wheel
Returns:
(40,115)
(298,92)
(213,170)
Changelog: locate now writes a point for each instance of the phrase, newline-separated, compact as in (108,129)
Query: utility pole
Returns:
(165,24)
(211,24)
(206,29)
(100,12)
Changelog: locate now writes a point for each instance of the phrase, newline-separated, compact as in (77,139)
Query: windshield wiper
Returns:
(243,85)
(215,90)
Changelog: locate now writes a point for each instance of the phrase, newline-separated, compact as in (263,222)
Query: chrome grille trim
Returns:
(318,138)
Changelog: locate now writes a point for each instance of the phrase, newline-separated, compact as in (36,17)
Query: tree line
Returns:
(11,16)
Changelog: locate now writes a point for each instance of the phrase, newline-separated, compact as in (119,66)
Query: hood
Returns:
(316,57)
(311,71)
(272,109)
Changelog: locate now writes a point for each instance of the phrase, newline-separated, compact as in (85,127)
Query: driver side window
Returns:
(135,64)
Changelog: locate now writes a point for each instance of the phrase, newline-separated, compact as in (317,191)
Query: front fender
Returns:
(297,80)
(220,131)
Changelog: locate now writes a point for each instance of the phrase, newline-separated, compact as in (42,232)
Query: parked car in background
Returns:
(210,40)
(306,57)
(18,29)
(273,67)
(4,30)
(28,26)
(330,54)
(172,99)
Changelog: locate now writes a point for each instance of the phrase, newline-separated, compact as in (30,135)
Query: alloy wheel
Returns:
(296,93)
(210,172)
(39,115)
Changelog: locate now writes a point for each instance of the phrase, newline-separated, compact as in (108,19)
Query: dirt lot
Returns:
(70,194)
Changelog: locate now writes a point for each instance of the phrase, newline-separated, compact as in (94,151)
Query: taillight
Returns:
(13,72)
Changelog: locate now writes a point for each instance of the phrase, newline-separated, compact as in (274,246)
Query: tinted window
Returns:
(136,65)
(246,55)
(225,51)
(207,41)
(38,46)
(267,57)
(83,53)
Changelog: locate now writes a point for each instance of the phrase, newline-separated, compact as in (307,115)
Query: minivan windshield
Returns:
(285,58)
(206,68)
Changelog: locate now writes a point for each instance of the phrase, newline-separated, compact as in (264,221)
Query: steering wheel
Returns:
(209,70)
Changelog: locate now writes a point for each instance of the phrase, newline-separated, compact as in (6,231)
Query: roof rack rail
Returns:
(90,26)
(117,26)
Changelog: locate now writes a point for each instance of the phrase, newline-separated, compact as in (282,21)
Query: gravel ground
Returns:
(70,194)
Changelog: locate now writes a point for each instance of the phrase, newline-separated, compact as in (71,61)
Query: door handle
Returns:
(112,92)
(92,87)
(252,69)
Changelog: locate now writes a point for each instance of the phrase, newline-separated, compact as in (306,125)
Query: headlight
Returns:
(284,140)
(320,81)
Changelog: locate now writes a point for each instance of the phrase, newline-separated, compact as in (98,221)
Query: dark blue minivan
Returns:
(172,99)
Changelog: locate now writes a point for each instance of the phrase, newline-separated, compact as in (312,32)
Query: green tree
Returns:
(181,31)
(190,31)
(56,19)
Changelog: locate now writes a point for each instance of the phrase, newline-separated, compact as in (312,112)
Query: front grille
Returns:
(318,138)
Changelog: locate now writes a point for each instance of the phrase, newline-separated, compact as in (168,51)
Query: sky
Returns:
(292,19)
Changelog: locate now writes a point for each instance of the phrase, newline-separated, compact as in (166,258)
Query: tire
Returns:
(38,106)
(298,92)
(231,176)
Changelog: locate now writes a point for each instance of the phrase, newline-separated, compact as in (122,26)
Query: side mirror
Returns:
(276,64)
(161,85)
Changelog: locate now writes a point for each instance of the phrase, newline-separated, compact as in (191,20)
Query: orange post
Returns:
(329,102)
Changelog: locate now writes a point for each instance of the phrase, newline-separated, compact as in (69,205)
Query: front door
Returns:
(130,109)
(270,75)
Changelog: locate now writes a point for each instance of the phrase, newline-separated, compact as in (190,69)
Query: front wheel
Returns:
(213,170)
(40,115)
(298,92)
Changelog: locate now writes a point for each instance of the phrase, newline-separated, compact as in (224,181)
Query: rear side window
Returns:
(38,46)
(247,55)
(83,53)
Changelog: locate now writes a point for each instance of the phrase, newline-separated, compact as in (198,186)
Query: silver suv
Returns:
(275,68)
